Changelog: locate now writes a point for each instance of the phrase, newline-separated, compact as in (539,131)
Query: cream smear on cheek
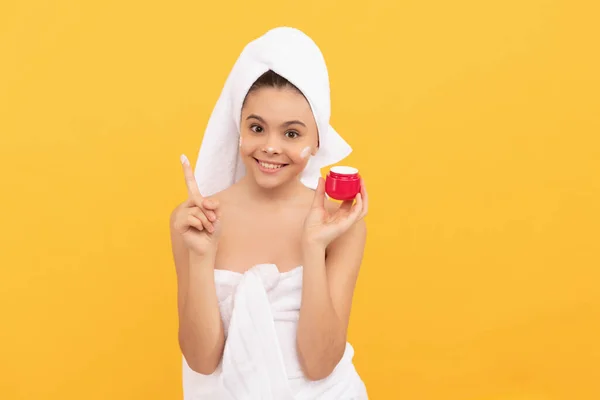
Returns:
(305,152)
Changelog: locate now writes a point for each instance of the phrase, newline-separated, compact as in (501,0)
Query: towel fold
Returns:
(260,310)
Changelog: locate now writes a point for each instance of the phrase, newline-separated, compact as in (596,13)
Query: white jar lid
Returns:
(344,170)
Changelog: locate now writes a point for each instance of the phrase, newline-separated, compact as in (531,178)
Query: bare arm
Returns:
(333,244)
(327,291)
(201,337)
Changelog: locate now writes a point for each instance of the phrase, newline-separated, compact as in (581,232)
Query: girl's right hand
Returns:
(197,218)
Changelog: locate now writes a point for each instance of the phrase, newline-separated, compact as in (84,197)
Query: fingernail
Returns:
(184,160)
(211,217)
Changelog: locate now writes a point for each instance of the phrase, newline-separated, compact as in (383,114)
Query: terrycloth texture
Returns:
(260,308)
(293,55)
(260,311)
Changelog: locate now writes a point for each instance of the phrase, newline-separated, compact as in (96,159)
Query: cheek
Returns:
(305,153)
(247,145)
(300,155)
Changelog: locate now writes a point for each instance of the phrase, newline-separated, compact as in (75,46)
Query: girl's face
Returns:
(278,134)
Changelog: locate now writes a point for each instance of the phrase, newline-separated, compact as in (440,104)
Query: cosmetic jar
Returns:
(342,183)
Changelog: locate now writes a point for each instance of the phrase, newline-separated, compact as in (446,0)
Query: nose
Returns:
(272,145)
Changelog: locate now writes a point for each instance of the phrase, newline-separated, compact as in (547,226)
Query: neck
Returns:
(279,194)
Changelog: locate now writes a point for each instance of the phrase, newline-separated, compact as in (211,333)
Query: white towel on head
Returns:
(260,308)
(295,56)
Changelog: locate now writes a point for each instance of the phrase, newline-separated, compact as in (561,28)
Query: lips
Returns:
(269,166)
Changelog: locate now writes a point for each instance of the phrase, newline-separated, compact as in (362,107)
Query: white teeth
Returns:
(270,166)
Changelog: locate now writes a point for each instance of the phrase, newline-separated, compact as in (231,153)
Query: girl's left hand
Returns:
(321,227)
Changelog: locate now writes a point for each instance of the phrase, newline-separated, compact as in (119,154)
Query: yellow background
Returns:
(475,124)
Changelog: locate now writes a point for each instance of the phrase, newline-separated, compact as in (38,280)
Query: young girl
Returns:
(266,265)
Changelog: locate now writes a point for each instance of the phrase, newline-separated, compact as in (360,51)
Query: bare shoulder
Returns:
(220,197)
(354,237)
(226,196)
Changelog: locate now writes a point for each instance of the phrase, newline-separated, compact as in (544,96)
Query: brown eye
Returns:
(292,134)
(256,128)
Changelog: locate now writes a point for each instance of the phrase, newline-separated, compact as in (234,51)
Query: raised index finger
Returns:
(190,180)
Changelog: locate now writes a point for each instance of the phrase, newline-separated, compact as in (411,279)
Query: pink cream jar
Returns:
(342,183)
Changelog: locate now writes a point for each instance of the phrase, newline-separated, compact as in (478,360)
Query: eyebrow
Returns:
(287,123)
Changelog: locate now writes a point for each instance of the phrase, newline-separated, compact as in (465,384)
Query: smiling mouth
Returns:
(269,166)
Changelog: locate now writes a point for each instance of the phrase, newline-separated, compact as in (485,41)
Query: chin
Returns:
(287,174)
(268,183)
(271,182)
